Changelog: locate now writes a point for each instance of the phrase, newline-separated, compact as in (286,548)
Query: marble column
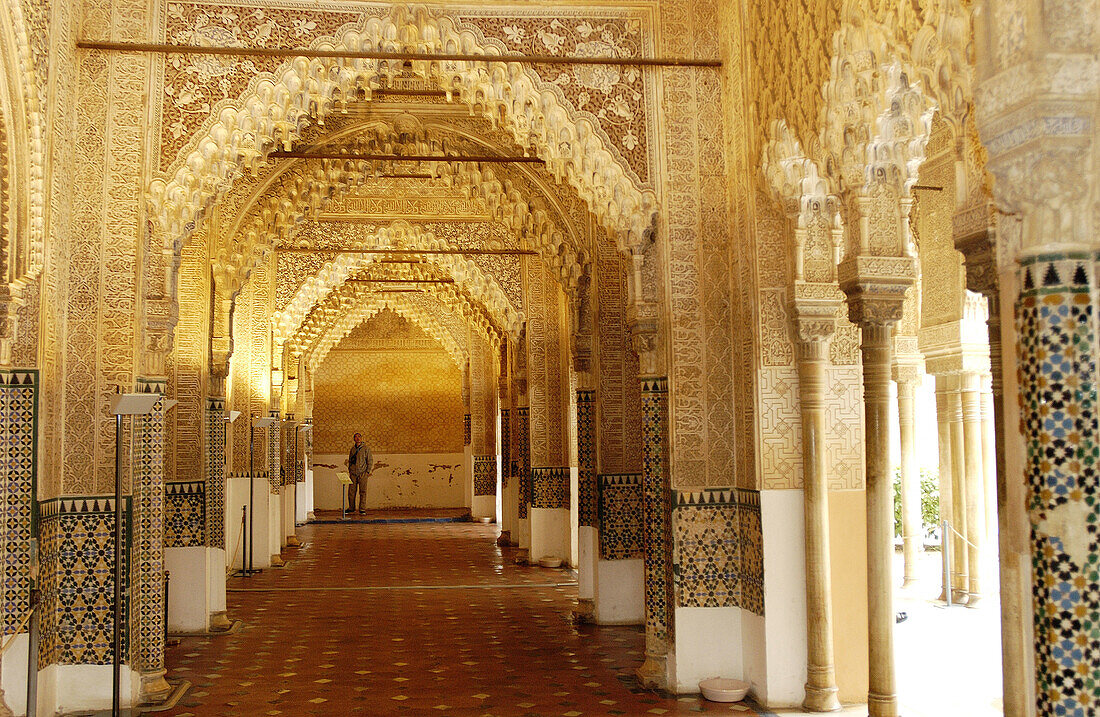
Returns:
(912,529)
(483,440)
(147,567)
(989,457)
(813,355)
(970,388)
(960,556)
(943,426)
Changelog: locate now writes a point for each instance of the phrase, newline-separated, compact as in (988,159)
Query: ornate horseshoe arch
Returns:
(278,106)
(334,274)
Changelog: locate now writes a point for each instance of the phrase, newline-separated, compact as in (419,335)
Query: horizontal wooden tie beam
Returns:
(472,252)
(400,281)
(371,157)
(171,49)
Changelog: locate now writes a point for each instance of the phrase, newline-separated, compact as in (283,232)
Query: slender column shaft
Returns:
(989,458)
(911,528)
(975,491)
(943,425)
(876,350)
(959,569)
(821,688)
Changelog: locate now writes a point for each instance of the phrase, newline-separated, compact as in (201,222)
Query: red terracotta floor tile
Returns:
(414,619)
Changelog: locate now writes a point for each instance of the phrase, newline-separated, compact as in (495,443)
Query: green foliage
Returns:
(929,502)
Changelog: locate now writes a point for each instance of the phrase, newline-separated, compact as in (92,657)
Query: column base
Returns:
(504,539)
(220,622)
(154,688)
(277,560)
(5,711)
(821,699)
(653,674)
(972,599)
(523,556)
(585,612)
(960,597)
(882,705)
(910,581)
(293,542)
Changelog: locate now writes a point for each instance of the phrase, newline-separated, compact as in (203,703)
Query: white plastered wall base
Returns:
(775,645)
(484,506)
(189,588)
(305,496)
(399,480)
(237,497)
(620,592)
(275,538)
(708,644)
(14,674)
(216,579)
(550,533)
(588,538)
(63,689)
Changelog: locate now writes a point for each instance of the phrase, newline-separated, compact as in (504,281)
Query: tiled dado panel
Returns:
(1057,328)
(523,459)
(656,528)
(550,488)
(485,475)
(718,555)
(215,472)
(620,516)
(505,447)
(147,616)
(184,514)
(467,429)
(586,458)
(274,462)
(77,578)
(18,431)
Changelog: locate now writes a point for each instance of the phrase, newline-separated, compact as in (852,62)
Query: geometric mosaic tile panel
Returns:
(586,458)
(620,516)
(77,580)
(523,458)
(274,464)
(147,579)
(718,560)
(505,447)
(485,475)
(215,472)
(550,488)
(657,525)
(18,461)
(1056,322)
(467,429)
(184,514)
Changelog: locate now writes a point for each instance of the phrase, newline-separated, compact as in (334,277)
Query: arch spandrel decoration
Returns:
(277,107)
(482,288)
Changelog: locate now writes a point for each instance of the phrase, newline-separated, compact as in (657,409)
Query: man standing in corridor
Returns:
(360,465)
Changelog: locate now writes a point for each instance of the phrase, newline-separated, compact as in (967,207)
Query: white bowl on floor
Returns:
(722,689)
(550,562)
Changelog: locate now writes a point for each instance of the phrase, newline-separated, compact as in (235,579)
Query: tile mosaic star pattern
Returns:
(1058,333)
(18,433)
(657,527)
(77,580)
(523,459)
(215,472)
(550,488)
(485,475)
(184,514)
(620,516)
(718,558)
(586,458)
(505,447)
(467,429)
(425,648)
(148,525)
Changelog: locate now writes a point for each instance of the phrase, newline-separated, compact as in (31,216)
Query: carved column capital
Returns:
(645,339)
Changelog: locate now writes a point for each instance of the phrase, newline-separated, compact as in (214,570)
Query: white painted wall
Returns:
(408,480)
(13,676)
(236,497)
(305,496)
(550,533)
(588,537)
(484,506)
(188,590)
(63,689)
(708,644)
(620,592)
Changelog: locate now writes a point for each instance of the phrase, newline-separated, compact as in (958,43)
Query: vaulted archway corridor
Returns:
(414,619)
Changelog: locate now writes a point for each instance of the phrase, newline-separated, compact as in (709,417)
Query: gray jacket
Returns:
(360,463)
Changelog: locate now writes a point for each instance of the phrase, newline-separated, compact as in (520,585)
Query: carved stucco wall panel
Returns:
(250,366)
(189,366)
